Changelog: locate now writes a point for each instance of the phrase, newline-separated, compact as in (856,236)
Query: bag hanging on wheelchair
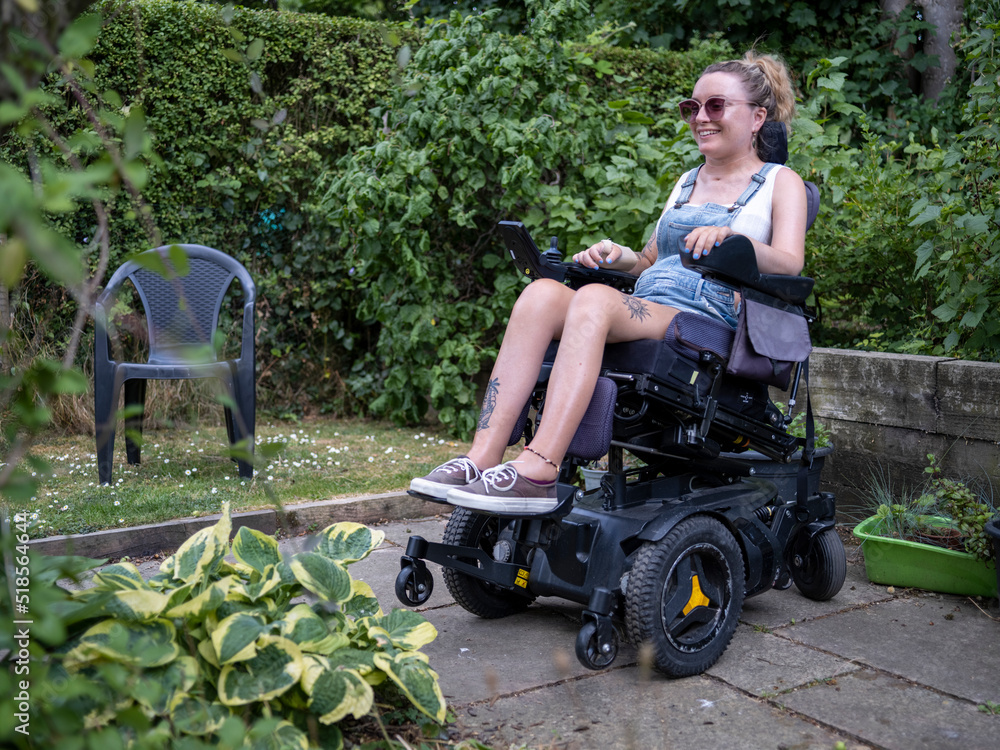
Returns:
(769,342)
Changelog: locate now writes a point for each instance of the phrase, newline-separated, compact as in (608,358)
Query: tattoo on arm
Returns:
(489,403)
(649,251)
(637,309)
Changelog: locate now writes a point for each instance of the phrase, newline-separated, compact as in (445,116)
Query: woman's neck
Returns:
(740,166)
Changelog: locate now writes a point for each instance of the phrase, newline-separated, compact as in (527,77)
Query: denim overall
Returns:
(667,281)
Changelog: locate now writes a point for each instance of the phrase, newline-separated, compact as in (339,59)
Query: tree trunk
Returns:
(891,10)
(946,17)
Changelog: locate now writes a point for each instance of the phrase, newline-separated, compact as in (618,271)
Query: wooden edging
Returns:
(142,541)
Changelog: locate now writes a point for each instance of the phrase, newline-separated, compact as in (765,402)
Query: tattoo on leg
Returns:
(489,403)
(636,308)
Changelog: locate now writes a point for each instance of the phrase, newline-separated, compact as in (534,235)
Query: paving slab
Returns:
(773,609)
(913,637)
(621,709)
(481,659)
(892,713)
(766,664)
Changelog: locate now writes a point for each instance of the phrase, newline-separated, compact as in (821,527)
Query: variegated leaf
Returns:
(120,577)
(136,605)
(173,681)
(308,630)
(206,650)
(256,549)
(284,736)
(403,629)
(202,552)
(325,578)
(276,667)
(362,662)
(199,717)
(348,542)
(266,584)
(413,675)
(333,694)
(234,639)
(363,602)
(147,644)
(209,600)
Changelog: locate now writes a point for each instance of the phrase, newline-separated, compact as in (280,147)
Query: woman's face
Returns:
(731,135)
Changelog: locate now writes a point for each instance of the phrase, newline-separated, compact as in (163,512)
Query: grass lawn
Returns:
(184,472)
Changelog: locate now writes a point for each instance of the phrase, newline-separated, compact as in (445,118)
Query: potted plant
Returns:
(937,540)
(593,472)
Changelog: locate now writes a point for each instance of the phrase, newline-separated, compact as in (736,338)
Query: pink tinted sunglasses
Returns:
(715,107)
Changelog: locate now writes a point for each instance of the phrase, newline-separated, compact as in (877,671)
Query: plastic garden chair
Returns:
(182,315)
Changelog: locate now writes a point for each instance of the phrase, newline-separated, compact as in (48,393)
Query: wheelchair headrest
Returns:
(774,139)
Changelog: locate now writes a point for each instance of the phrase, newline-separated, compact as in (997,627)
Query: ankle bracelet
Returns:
(550,463)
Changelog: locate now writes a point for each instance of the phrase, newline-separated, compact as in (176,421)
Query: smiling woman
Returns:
(735,191)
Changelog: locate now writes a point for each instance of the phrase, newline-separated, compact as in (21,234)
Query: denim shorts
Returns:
(689,292)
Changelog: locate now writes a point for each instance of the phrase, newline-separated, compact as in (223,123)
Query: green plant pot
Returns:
(898,562)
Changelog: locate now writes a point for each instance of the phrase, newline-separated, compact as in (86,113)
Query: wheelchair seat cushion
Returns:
(690,334)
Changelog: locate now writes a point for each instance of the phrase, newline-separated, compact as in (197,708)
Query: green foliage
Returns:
(907,250)
(944,511)
(968,513)
(487,127)
(244,109)
(209,650)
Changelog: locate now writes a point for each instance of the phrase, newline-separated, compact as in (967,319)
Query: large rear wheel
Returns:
(467,528)
(685,595)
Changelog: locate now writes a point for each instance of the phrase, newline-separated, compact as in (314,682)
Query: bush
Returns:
(486,127)
(223,653)
(244,110)
(907,251)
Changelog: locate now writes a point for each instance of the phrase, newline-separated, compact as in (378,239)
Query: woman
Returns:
(733,191)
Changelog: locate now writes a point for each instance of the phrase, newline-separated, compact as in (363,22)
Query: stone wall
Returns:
(886,412)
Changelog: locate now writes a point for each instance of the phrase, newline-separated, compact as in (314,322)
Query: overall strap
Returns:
(687,187)
(755,182)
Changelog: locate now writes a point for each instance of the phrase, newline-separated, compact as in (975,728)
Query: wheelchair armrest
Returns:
(538,265)
(735,263)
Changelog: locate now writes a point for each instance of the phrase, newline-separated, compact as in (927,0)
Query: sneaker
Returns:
(455,473)
(502,490)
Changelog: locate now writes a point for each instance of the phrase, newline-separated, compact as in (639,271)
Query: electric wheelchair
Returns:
(666,551)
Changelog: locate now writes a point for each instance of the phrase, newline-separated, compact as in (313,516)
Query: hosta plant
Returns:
(292,639)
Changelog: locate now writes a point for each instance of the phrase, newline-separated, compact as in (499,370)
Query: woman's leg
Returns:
(596,315)
(538,317)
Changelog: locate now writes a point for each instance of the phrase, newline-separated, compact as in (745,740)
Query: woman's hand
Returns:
(607,254)
(702,240)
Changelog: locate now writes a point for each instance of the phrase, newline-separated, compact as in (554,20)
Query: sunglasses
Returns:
(715,107)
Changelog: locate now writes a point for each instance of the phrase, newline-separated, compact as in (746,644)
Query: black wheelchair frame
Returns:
(668,550)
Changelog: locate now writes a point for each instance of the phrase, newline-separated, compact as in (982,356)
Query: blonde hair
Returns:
(767,82)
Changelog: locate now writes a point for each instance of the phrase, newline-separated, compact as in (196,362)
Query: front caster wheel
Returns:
(818,564)
(414,585)
(685,595)
(591,652)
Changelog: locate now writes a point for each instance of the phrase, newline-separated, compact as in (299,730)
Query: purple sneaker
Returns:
(502,490)
(455,473)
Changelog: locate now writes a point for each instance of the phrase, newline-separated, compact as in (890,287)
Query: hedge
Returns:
(250,113)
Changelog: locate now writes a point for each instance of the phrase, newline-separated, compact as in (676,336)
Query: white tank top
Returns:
(754,219)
